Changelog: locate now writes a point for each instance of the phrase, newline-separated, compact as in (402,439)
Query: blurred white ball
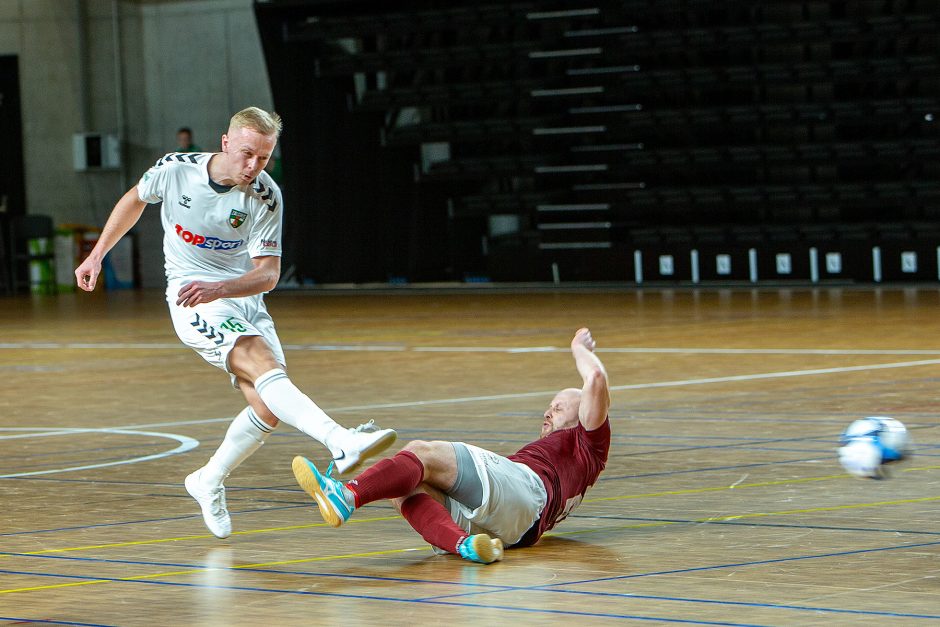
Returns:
(869,443)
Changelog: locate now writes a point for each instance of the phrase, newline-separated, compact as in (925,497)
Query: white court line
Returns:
(186,444)
(74,345)
(775,351)
(636,386)
(689,351)
(659,384)
(615,388)
(481,349)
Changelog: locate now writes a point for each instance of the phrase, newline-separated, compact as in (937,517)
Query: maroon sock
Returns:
(432,520)
(390,478)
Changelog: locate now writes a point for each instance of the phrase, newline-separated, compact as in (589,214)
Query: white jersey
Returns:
(211,232)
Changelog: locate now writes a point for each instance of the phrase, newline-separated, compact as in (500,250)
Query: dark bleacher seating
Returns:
(608,126)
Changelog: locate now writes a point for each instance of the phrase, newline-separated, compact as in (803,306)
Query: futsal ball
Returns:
(870,443)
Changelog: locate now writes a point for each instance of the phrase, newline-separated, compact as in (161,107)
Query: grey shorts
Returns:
(513,497)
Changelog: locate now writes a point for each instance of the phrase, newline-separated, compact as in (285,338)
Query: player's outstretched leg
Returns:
(365,441)
(211,501)
(349,447)
(325,490)
(481,548)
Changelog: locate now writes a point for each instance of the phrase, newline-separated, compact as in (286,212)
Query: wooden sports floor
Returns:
(722,503)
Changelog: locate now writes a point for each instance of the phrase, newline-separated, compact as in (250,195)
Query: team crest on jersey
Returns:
(237,218)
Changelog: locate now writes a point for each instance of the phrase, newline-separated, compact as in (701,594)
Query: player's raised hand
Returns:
(583,338)
(86,274)
(199,292)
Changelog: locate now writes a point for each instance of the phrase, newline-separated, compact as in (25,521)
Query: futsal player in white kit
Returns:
(221,218)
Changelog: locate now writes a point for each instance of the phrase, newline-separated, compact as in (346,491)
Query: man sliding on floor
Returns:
(472,502)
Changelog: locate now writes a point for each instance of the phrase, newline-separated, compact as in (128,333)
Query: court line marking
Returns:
(625,387)
(751,604)
(547,587)
(479,349)
(492,589)
(513,608)
(186,444)
(730,517)
(650,385)
(680,350)
(588,500)
(49,621)
(439,600)
(549,393)
(751,523)
(201,537)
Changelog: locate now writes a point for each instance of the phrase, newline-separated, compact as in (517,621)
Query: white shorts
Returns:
(513,498)
(211,329)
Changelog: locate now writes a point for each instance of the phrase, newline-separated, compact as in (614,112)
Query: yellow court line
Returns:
(193,571)
(332,557)
(920,468)
(392,551)
(199,537)
(832,508)
(562,533)
(58,585)
(730,517)
(740,486)
(384,518)
(787,512)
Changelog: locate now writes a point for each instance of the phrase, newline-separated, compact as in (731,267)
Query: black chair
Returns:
(23,229)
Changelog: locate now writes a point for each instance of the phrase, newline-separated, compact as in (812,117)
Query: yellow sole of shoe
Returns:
(308,481)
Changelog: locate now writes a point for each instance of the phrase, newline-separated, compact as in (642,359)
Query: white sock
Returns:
(245,435)
(296,409)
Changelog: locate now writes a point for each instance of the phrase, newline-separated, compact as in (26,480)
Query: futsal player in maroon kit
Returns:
(466,500)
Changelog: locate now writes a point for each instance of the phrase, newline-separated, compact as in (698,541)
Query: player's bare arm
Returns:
(595,394)
(262,278)
(123,217)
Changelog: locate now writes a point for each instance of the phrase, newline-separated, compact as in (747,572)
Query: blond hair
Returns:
(258,120)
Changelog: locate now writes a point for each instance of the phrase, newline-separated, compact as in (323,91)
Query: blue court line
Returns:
(771,606)
(783,449)
(754,563)
(154,484)
(545,587)
(150,520)
(752,523)
(256,510)
(273,571)
(490,589)
(802,608)
(71,463)
(391,599)
(697,447)
(726,438)
(48,453)
(715,468)
(45,621)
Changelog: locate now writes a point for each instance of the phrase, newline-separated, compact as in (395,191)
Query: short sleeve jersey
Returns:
(210,231)
(568,462)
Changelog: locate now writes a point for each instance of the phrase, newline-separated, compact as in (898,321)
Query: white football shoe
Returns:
(211,500)
(367,440)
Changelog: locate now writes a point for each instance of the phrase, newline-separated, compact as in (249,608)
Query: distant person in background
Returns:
(184,140)
(222,242)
